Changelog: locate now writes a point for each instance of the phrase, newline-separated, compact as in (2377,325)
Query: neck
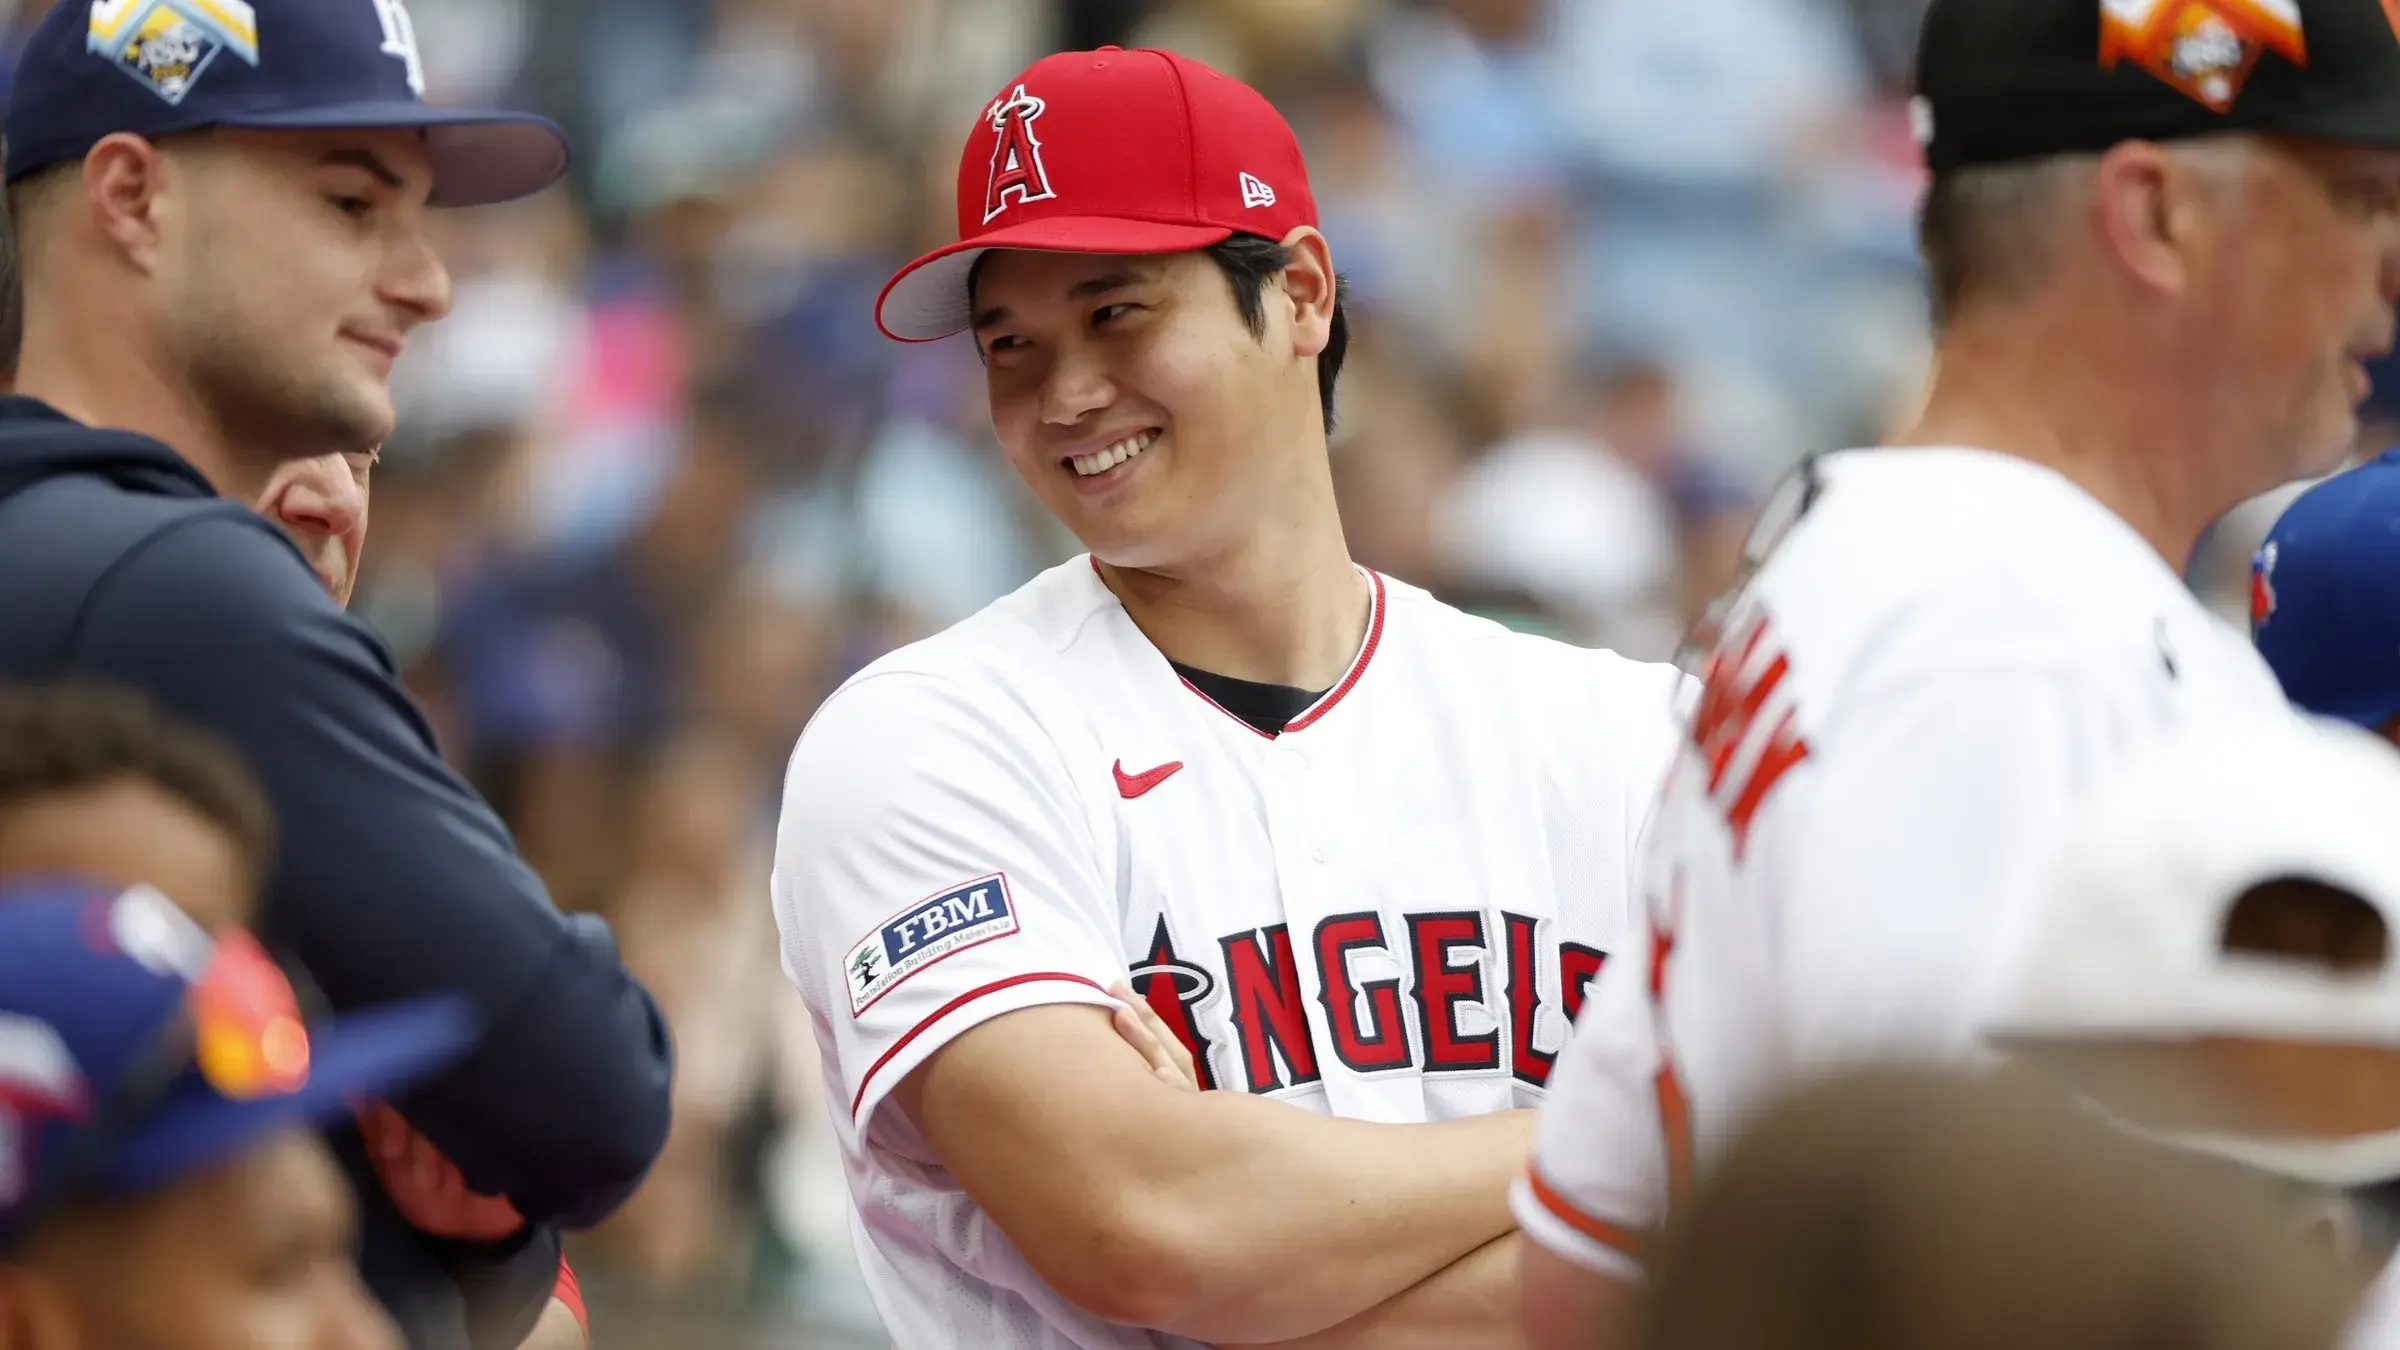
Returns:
(1283,606)
(104,381)
(2021,387)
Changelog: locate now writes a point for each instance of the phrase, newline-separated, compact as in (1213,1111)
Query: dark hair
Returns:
(69,737)
(1249,262)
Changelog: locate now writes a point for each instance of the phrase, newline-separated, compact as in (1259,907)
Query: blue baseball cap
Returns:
(135,1051)
(2325,595)
(93,68)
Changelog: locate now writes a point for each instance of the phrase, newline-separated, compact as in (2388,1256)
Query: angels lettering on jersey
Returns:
(1447,992)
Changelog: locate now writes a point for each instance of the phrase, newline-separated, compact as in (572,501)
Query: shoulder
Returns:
(211,568)
(1552,678)
(1926,562)
(1020,636)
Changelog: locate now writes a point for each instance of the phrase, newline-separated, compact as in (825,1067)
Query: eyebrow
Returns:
(363,159)
(1081,290)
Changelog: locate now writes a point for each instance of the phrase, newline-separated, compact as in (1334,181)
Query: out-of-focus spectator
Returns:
(158,1086)
(1894,1210)
(97,785)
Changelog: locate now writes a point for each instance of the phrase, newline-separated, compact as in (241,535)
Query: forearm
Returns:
(1468,1305)
(1300,1222)
(1216,1216)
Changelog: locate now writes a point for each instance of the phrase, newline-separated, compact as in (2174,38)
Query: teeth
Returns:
(1102,461)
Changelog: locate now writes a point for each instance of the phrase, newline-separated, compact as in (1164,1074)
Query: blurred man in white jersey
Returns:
(2163,236)
(1359,853)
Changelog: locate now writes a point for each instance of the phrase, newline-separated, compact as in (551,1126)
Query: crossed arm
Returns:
(1220,1216)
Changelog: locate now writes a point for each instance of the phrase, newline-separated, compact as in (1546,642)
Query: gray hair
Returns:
(1995,231)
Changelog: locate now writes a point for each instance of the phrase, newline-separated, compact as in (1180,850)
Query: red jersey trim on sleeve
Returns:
(867,1080)
(1600,1230)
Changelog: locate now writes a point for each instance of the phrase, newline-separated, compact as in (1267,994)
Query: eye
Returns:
(1107,312)
(357,208)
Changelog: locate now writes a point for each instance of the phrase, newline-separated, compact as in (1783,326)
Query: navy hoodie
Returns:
(392,878)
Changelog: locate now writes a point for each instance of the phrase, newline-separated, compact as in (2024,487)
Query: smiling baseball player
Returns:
(2163,239)
(1358,853)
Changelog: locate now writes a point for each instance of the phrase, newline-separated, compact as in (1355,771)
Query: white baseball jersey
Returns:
(1931,666)
(1388,912)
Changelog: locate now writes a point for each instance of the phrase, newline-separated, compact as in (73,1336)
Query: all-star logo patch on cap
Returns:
(2006,80)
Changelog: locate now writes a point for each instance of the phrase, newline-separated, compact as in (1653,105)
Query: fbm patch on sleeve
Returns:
(924,933)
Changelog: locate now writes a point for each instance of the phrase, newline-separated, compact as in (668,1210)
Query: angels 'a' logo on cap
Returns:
(2206,48)
(1016,154)
(2262,586)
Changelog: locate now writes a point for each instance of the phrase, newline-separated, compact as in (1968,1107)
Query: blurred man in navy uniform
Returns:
(221,213)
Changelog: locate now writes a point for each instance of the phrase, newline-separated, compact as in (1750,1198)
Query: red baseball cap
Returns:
(1107,151)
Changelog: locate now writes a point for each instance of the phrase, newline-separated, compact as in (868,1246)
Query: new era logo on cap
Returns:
(1256,193)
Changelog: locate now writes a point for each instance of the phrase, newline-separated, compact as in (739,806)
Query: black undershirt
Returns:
(1268,707)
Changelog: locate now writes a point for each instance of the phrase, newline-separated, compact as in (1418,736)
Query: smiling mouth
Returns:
(386,348)
(1101,461)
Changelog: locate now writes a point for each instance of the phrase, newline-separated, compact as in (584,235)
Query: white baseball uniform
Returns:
(1929,668)
(1389,912)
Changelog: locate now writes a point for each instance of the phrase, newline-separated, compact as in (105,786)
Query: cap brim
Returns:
(928,298)
(366,1054)
(480,157)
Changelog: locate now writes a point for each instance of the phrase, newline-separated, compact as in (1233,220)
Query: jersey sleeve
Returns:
(1595,1187)
(1920,850)
(932,871)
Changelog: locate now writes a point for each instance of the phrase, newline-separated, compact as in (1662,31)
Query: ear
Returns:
(127,193)
(2152,214)
(1309,287)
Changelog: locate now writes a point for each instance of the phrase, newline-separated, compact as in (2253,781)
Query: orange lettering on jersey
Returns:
(1784,749)
(1745,677)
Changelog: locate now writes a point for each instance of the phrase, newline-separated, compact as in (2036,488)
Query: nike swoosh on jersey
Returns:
(1132,785)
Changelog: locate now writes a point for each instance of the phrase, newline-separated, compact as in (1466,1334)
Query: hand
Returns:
(426,1187)
(558,1330)
(1142,1029)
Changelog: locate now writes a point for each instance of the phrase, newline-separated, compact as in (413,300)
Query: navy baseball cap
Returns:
(93,68)
(136,1051)
(2325,595)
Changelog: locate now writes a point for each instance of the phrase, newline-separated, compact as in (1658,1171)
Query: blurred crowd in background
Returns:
(660,485)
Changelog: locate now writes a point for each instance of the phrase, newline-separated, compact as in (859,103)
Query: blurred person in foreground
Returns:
(221,220)
(2325,597)
(2215,970)
(1903,1209)
(321,504)
(160,1186)
(96,784)
(1213,772)
(1944,644)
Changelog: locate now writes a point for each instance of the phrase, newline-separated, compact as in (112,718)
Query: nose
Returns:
(1076,386)
(419,284)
